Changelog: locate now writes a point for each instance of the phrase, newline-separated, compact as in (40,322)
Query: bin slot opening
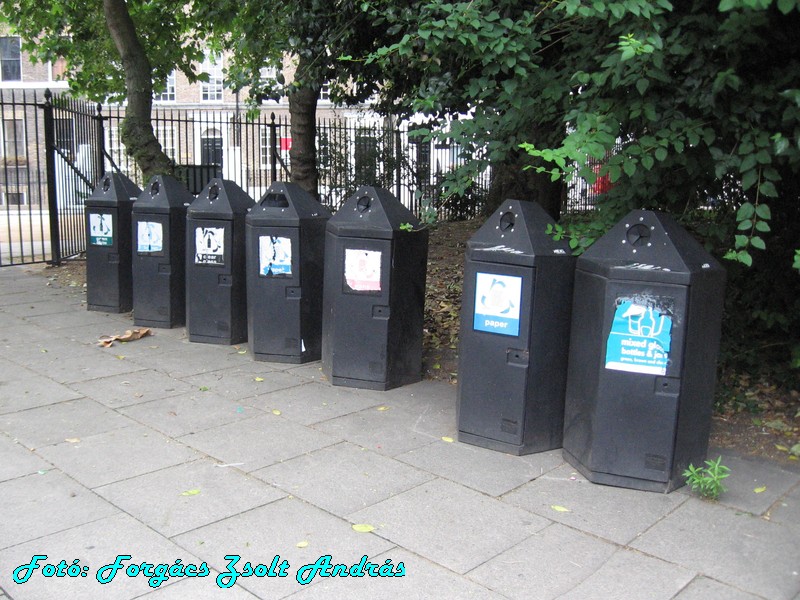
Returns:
(274,200)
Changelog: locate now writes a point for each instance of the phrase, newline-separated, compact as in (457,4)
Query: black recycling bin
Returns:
(285,235)
(216,290)
(643,351)
(159,253)
(109,279)
(374,293)
(514,334)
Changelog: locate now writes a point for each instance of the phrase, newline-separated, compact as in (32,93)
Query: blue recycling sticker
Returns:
(640,339)
(497,303)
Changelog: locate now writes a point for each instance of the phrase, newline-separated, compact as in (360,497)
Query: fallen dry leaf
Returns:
(106,341)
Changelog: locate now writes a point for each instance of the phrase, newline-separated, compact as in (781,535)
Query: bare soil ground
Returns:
(758,419)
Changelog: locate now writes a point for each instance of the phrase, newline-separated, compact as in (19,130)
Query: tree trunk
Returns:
(136,131)
(511,180)
(303,127)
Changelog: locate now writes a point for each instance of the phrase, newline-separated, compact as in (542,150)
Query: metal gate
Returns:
(48,163)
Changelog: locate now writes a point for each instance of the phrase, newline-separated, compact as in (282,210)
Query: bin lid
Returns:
(286,205)
(371,212)
(220,199)
(162,194)
(648,246)
(516,234)
(113,189)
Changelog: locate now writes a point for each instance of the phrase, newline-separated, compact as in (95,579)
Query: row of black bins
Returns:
(266,272)
(611,356)
(616,365)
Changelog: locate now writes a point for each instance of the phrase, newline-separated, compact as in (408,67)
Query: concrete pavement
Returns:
(190,455)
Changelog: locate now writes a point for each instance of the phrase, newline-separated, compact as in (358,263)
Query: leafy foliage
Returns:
(76,31)
(707,481)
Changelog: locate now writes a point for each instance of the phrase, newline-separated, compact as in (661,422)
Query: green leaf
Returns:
(745,225)
(763,211)
(743,256)
(642,85)
(757,242)
(767,188)
(746,211)
(763,227)
(661,154)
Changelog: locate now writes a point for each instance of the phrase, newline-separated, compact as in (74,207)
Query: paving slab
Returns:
(490,472)
(56,423)
(258,442)
(127,389)
(67,362)
(342,478)
(389,432)
(178,499)
(242,384)
(616,514)
(450,524)
(192,589)
(747,552)
(312,402)
(94,545)
(205,358)
(116,455)
(39,504)
(629,574)
(423,580)
(277,529)
(16,460)
(549,563)
(22,389)
(189,413)
(753,486)
(786,511)
(703,588)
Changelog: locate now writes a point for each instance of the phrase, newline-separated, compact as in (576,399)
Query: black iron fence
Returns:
(54,148)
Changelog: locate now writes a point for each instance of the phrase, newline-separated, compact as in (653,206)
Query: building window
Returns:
(15,198)
(10,59)
(211,90)
(265,147)
(325,93)
(168,95)
(13,139)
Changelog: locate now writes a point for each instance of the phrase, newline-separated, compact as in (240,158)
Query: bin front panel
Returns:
(361,323)
(159,269)
(108,259)
(209,277)
(151,268)
(494,350)
(639,384)
(274,292)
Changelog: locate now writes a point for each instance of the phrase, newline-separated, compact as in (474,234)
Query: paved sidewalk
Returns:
(181,454)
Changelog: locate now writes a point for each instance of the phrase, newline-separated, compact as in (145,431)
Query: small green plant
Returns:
(707,481)
(406,227)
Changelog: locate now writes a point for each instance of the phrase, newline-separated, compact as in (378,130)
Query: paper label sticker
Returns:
(641,336)
(209,245)
(274,256)
(150,237)
(497,303)
(101,229)
(362,270)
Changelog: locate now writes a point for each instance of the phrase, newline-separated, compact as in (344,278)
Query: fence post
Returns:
(50,165)
(100,141)
(273,147)
(398,175)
